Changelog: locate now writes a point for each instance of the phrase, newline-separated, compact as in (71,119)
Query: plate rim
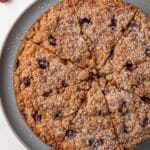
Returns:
(4,114)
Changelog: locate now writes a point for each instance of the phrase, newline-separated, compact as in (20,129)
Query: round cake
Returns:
(82,76)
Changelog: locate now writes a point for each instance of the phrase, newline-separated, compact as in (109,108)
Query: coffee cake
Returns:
(82,76)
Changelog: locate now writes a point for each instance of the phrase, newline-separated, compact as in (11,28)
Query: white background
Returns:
(9,12)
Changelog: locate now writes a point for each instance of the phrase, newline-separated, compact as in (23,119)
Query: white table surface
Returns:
(9,12)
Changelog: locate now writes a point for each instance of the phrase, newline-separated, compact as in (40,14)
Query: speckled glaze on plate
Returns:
(7,61)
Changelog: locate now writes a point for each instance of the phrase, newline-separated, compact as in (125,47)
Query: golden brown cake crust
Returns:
(82,76)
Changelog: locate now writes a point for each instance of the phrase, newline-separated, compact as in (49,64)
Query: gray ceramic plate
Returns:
(6,69)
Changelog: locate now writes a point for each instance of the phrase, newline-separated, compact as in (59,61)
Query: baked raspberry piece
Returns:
(3,1)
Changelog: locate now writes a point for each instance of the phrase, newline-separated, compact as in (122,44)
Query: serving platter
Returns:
(7,60)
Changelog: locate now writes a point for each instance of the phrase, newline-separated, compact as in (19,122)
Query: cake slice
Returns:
(103,22)
(58,31)
(133,78)
(92,128)
(132,48)
(39,70)
(130,115)
(49,115)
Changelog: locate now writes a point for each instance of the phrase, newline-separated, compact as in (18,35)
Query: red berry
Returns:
(3,1)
